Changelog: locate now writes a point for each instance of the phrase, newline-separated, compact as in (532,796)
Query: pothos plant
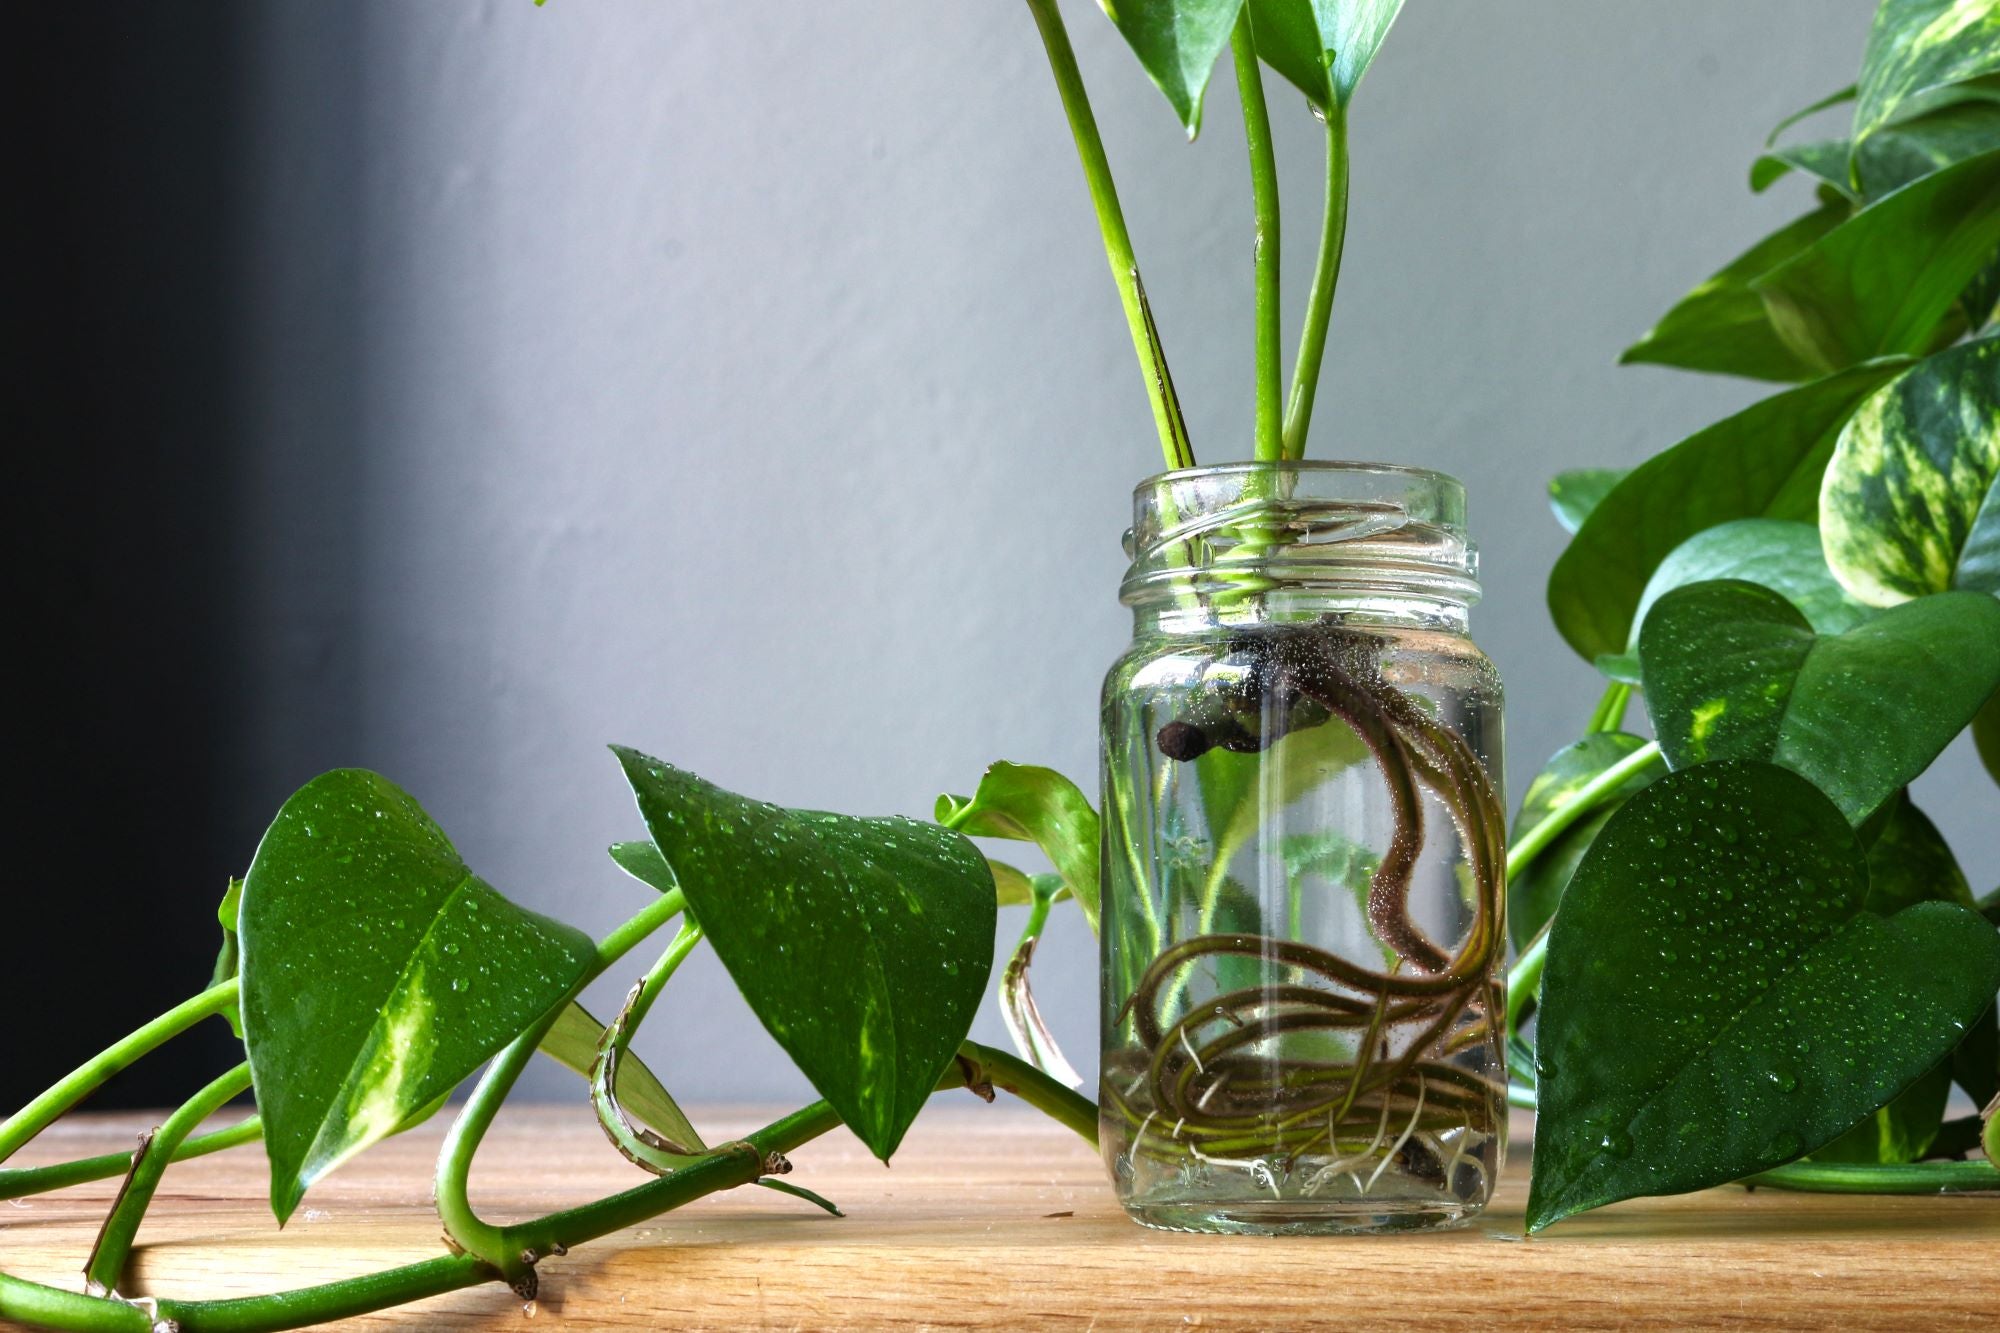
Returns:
(1757,957)
(1760,948)
(370,973)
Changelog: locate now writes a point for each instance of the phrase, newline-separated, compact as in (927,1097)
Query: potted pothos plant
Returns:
(1745,952)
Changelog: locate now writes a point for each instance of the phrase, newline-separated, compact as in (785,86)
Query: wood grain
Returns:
(992,1216)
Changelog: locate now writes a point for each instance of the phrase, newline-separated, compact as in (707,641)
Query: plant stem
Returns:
(20,1182)
(465,1227)
(1870,1178)
(114,1242)
(1174,442)
(1610,714)
(646,1148)
(87,1077)
(1064,1105)
(1326,277)
(724,1168)
(1264,193)
(1524,978)
(1532,843)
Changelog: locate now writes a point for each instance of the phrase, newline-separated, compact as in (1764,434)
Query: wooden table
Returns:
(991,1216)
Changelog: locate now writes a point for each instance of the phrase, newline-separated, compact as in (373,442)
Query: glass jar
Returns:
(1304,858)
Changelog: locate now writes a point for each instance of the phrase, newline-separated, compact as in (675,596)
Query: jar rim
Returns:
(1338,528)
(1343,466)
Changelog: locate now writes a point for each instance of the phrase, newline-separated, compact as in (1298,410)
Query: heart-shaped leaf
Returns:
(378,972)
(1534,892)
(1918,46)
(1776,553)
(1764,462)
(1178,43)
(1717,1001)
(863,945)
(1573,494)
(1722,325)
(1887,281)
(1733,671)
(1322,46)
(1908,506)
(1027,803)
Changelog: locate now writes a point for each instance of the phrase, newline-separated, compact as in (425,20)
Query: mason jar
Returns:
(1304,858)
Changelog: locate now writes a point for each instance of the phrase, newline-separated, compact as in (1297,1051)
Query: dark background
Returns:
(124,471)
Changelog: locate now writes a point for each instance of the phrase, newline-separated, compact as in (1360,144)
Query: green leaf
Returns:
(1177,42)
(1903,153)
(1573,494)
(1039,805)
(378,972)
(1908,506)
(572,1043)
(1534,893)
(1733,671)
(1899,1132)
(1716,1000)
(1917,46)
(1765,461)
(643,862)
(1887,281)
(1776,553)
(1322,46)
(1909,861)
(1723,326)
(863,945)
(1825,160)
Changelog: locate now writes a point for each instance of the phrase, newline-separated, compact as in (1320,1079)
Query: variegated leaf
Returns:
(1908,506)
(1919,46)
(378,972)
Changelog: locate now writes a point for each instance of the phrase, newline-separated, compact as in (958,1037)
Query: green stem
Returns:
(1264,193)
(646,1149)
(1525,978)
(19,1182)
(724,1168)
(1610,714)
(114,1242)
(1064,1105)
(1869,1178)
(464,1226)
(1532,843)
(1174,442)
(87,1077)
(1326,277)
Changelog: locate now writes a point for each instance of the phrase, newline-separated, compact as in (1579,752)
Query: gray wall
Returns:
(744,383)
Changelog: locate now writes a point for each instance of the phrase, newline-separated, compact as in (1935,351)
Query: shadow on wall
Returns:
(137,542)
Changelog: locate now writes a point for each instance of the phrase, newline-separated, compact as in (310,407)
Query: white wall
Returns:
(744,383)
